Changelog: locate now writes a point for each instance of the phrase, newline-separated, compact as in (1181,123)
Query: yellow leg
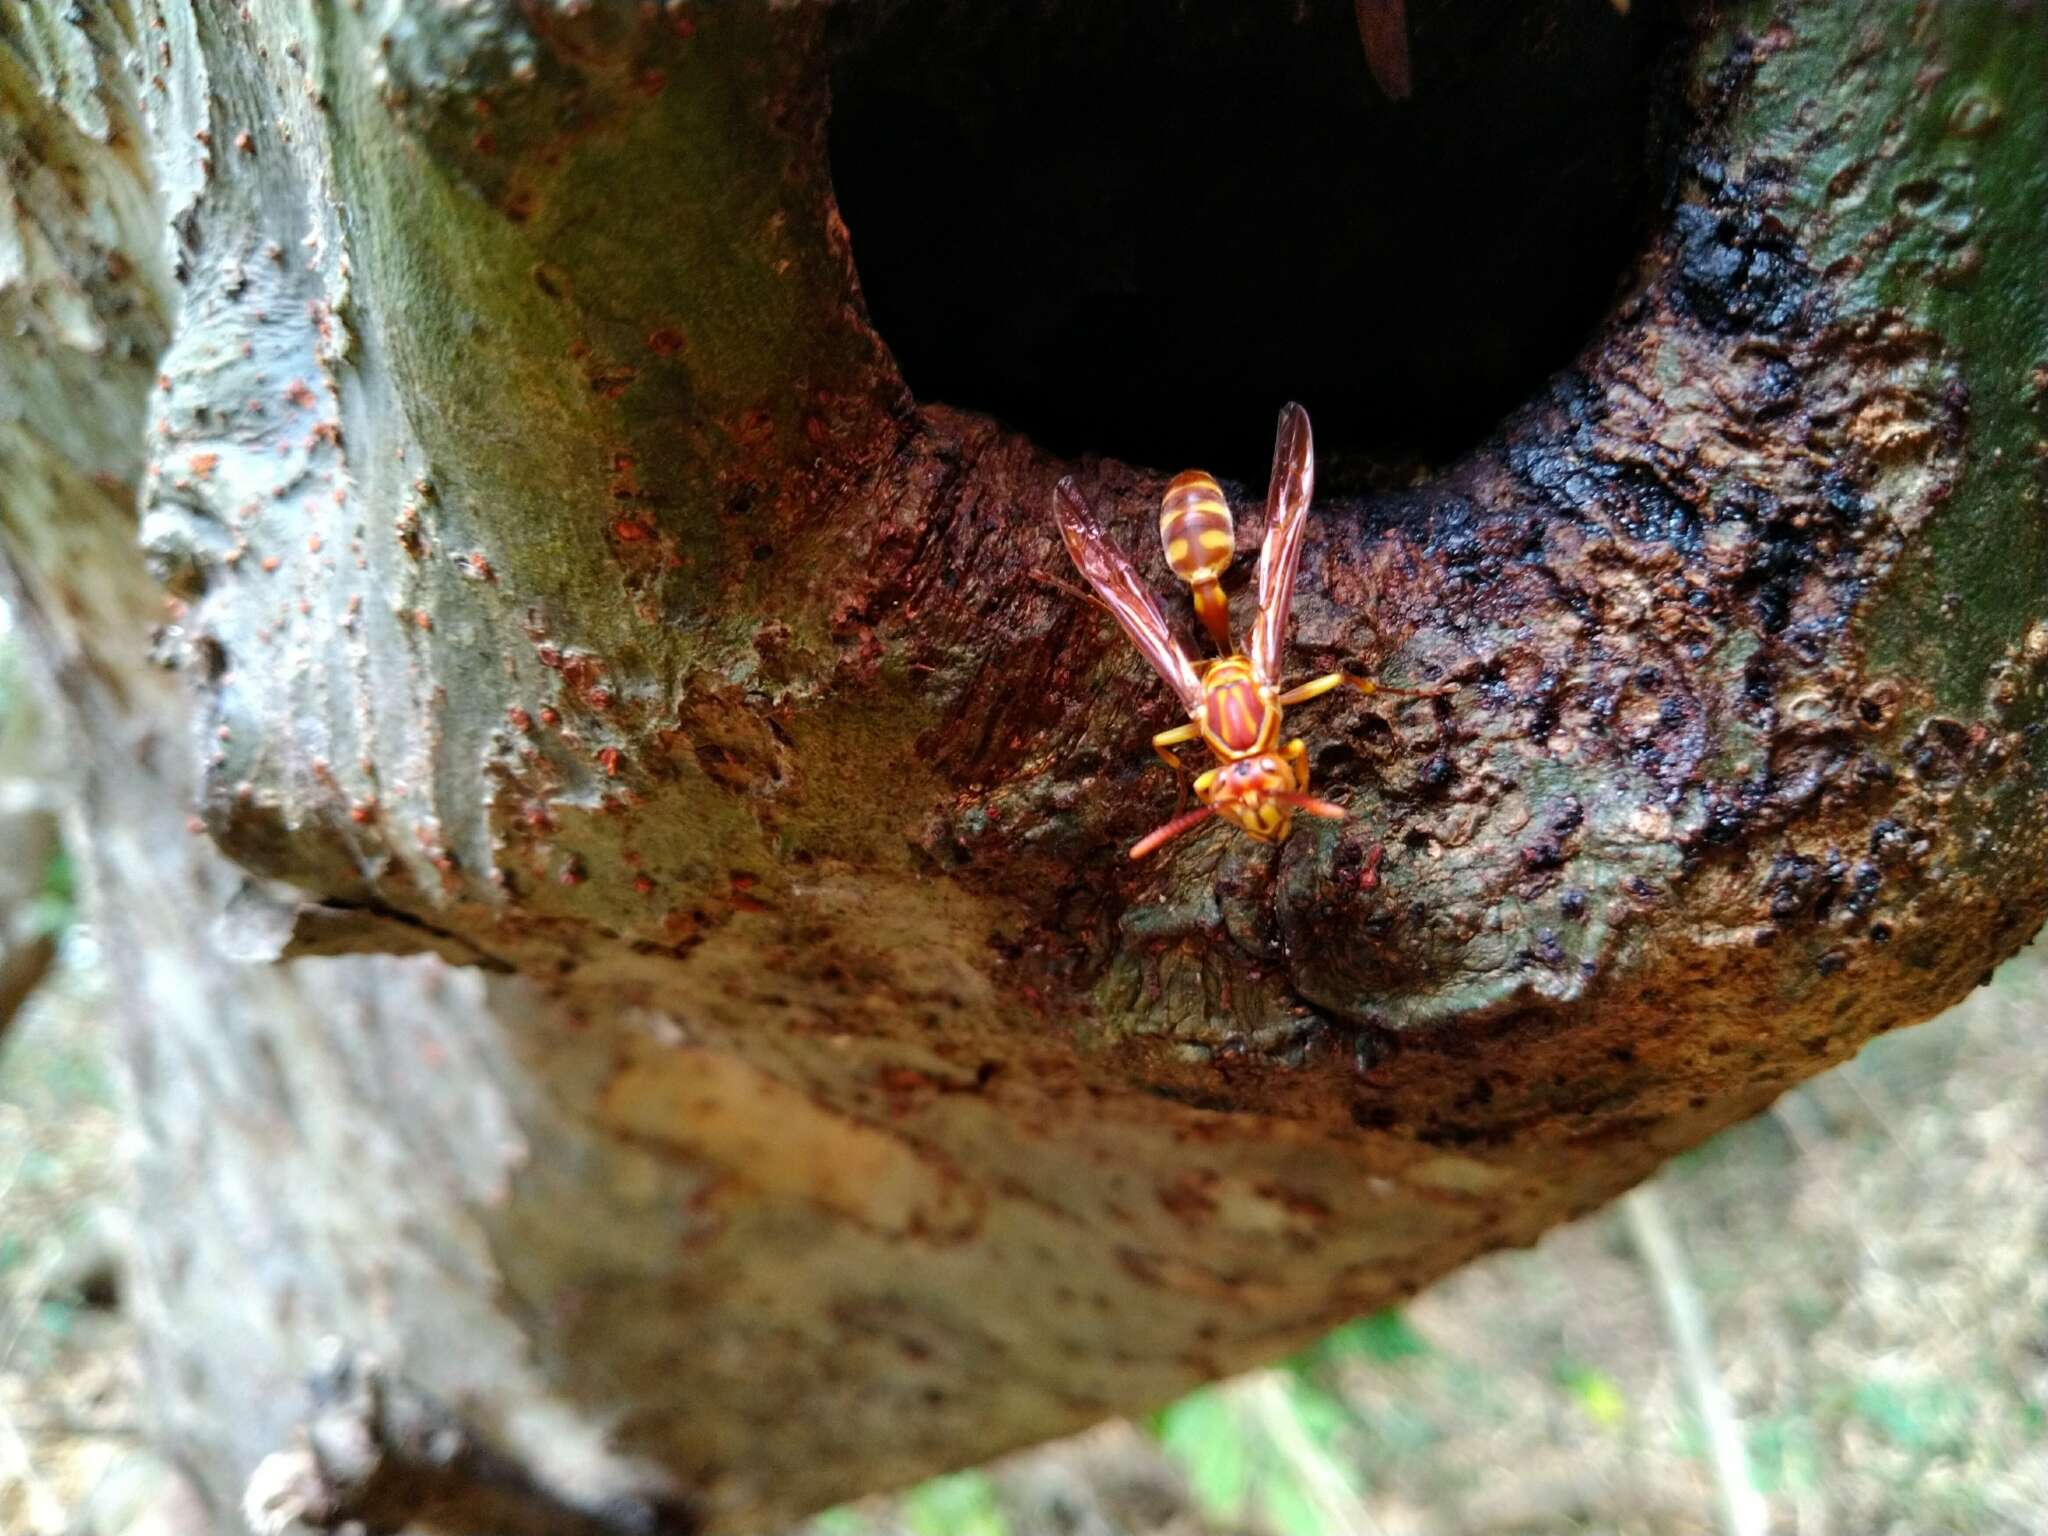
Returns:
(1365,685)
(1314,690)
(1178,736)
(1296,753)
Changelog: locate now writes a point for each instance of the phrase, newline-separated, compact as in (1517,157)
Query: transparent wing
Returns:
(1287,499)
(1124,594)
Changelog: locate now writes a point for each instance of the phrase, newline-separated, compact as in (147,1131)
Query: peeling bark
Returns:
(563,577)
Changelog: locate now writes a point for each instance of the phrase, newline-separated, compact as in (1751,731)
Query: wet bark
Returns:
(802,1094)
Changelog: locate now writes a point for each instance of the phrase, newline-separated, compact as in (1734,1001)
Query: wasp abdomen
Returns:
(1195,527)
(1196,531)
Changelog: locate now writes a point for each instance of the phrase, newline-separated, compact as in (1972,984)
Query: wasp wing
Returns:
(1126,596)
(1287,499)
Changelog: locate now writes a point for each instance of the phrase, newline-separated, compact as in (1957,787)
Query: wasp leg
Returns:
(1314,690)
(1047,579)
(1365,685)
(1296,753)
(1174,738)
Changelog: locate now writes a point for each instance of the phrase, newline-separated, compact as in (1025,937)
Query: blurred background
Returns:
(1833,1319)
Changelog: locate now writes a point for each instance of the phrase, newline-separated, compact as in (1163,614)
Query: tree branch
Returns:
(560,569)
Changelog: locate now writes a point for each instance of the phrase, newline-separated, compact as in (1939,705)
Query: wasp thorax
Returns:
(1195,527)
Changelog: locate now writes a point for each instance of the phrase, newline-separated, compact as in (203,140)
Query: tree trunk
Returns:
(802,1092)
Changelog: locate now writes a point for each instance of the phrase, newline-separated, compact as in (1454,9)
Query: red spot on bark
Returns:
(665,342)
(630,530)
(643,885)
(298,394)
(1369,875)
(362,812)
(202,464)
(313,544)
(270,562)
(520,719)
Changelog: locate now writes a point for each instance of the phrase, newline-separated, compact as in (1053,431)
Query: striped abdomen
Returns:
(1199,538)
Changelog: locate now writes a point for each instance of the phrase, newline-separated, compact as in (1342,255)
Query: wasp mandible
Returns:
(1234,702)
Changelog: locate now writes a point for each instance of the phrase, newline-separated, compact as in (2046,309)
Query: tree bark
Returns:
(28,943)
(802,1093)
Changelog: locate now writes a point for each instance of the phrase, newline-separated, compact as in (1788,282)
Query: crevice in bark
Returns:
(1135,230)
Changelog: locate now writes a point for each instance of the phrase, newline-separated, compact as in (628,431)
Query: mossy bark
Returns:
(807,1095)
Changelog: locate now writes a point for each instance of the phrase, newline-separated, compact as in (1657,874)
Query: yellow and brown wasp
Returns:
(1234,702)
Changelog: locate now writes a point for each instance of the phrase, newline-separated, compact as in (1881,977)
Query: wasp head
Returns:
(1259,794)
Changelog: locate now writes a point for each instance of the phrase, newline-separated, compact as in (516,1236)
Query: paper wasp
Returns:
(1234,703)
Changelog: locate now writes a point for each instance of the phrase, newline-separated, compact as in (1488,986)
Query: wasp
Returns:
(1234,702)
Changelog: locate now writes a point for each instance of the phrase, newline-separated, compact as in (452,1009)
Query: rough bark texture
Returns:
(565,583)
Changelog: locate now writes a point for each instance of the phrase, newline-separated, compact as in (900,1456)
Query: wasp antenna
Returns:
(1309,805)
(1166,834)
